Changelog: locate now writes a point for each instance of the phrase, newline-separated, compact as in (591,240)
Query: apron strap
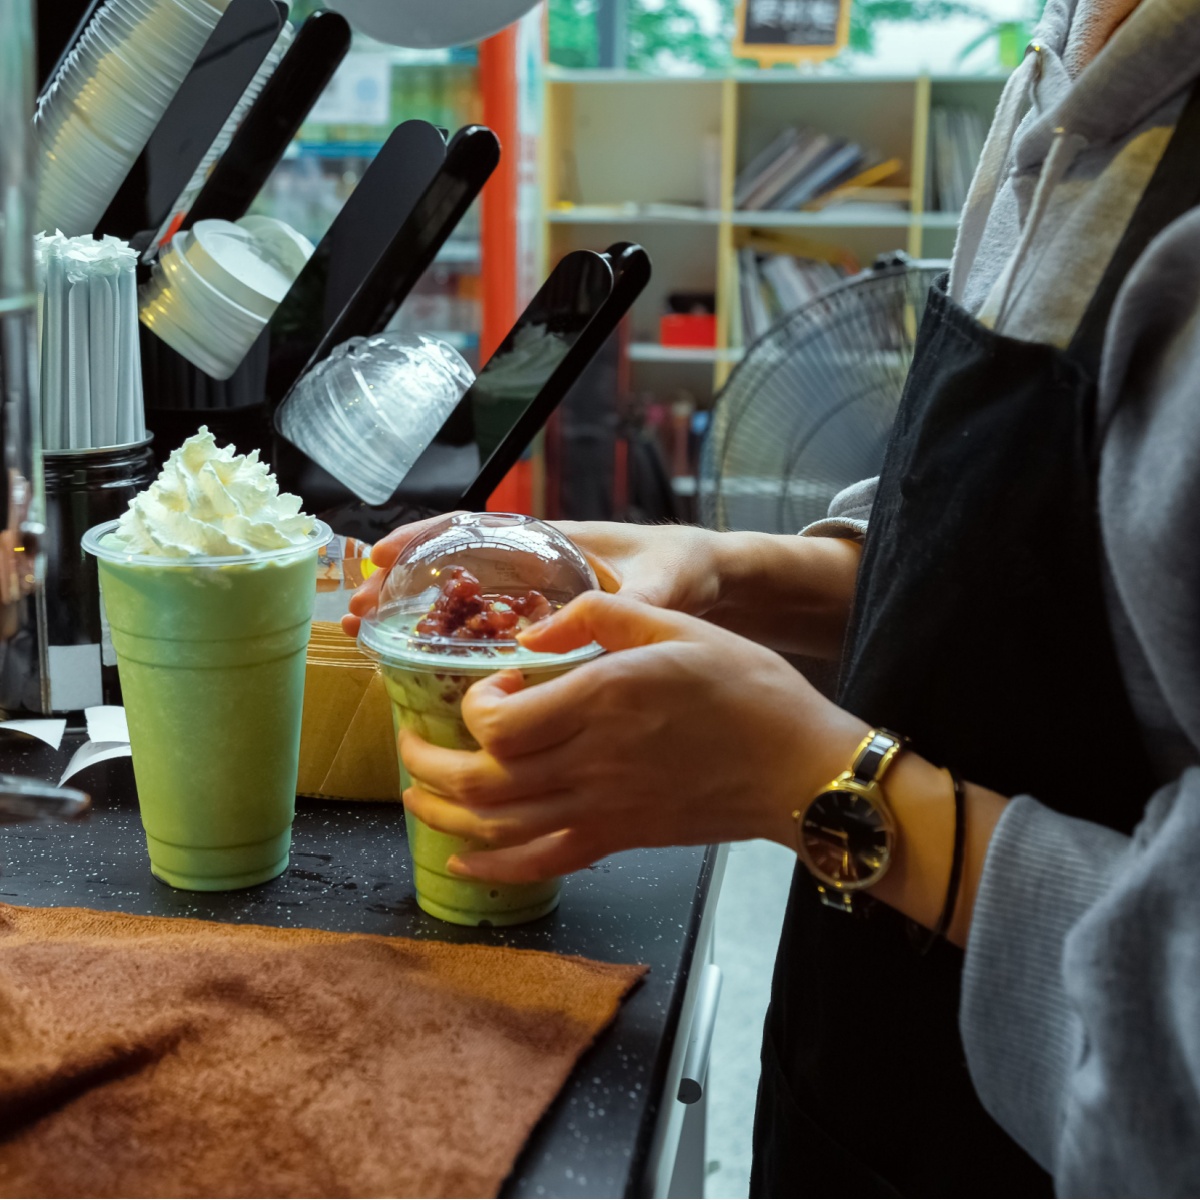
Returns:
(1174,188)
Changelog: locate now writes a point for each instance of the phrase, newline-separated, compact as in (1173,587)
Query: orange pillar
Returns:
(498,234)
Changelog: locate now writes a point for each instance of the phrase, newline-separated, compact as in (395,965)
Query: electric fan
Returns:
(808,410)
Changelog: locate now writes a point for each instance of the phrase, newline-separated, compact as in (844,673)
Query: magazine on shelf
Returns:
(844,160)
(800,157)
(772,285)
(956,144)
(803,166)
(751,174)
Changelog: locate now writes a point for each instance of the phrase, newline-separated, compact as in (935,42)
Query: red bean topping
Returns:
(463,613)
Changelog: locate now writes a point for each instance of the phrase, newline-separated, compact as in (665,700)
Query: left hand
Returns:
(685,734)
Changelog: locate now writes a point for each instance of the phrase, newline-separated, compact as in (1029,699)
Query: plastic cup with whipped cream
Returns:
(208,582)
(449,613)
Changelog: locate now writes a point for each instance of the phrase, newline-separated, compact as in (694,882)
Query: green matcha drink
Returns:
(429,702)
(208,584)
(441,626)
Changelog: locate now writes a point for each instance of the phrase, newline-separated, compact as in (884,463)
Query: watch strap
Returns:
(875,754)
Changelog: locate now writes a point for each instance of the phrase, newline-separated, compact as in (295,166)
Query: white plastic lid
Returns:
(462,591)
(231,259)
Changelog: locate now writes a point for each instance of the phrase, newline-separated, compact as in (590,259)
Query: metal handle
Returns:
(699,1043)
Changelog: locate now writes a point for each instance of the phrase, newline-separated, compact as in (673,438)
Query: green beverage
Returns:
(429,702)
(211,655)
(449,614)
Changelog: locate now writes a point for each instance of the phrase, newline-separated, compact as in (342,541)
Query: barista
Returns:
(1015,604)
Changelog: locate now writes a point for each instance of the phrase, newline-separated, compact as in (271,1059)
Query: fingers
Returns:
(511,720)
(468,776)
(558,854)
(366,595)
(384,554)
(620,565)
(594,538)
(388,549)
(501,826)
(362,603)
(615,622)
(475,777)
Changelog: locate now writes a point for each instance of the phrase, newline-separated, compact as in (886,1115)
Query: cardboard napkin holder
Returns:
(347,740)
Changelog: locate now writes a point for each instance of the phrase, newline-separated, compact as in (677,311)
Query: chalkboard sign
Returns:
(774,31)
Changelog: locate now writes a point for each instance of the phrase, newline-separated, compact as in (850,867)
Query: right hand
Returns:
(669,566)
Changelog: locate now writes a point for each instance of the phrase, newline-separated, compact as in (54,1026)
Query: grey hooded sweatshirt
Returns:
(1080,1011)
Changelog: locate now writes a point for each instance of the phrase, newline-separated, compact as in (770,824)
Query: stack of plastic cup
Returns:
(106,100)
(368,411)
(215,287)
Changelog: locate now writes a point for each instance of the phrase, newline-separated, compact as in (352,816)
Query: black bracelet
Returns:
(956,862)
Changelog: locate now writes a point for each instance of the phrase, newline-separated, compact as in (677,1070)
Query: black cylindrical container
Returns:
(180,398)
(83,488)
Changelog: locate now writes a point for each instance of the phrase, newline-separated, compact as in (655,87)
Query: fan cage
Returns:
(808,410)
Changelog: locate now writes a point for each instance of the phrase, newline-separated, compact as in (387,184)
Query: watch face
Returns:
(847,839)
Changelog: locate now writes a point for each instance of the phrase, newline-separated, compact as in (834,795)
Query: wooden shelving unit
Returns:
(627,156)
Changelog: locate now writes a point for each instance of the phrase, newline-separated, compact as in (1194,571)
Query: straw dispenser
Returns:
(96,451)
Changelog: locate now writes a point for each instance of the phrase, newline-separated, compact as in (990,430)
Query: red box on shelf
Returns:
(688,329)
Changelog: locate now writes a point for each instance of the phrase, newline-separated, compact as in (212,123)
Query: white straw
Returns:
(53,326)
(79,375)
(131,409)
(91,364)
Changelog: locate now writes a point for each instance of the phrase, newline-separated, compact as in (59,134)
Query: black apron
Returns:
(980,631)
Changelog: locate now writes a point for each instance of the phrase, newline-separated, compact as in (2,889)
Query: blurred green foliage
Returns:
(657,31)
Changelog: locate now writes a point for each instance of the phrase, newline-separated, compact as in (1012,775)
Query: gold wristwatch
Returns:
(845,834)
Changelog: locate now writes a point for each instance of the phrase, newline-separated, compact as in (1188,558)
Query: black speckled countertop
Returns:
(350,872)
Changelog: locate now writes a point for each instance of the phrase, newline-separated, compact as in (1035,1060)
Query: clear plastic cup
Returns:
(102,107)
(518,563)
(211,655)
(368,411)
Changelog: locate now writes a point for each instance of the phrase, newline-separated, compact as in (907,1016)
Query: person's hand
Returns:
(792,593)
(384,554)
(670,566)
(686,734)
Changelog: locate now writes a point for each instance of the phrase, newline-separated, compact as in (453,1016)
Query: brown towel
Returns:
(141,1056)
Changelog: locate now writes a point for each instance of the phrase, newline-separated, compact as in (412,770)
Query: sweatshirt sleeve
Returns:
(849,512)
(1081,995)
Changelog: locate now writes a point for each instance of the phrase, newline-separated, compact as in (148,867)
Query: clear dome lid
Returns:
(466,587)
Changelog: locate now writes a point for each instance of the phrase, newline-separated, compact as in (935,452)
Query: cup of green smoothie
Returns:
(208,582)
(448,615)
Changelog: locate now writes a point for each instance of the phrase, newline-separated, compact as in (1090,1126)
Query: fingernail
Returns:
(534,631)
(456,866)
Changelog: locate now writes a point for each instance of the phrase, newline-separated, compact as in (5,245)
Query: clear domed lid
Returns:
(467,586)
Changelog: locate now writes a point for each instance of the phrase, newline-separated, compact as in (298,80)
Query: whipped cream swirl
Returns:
(210,500)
